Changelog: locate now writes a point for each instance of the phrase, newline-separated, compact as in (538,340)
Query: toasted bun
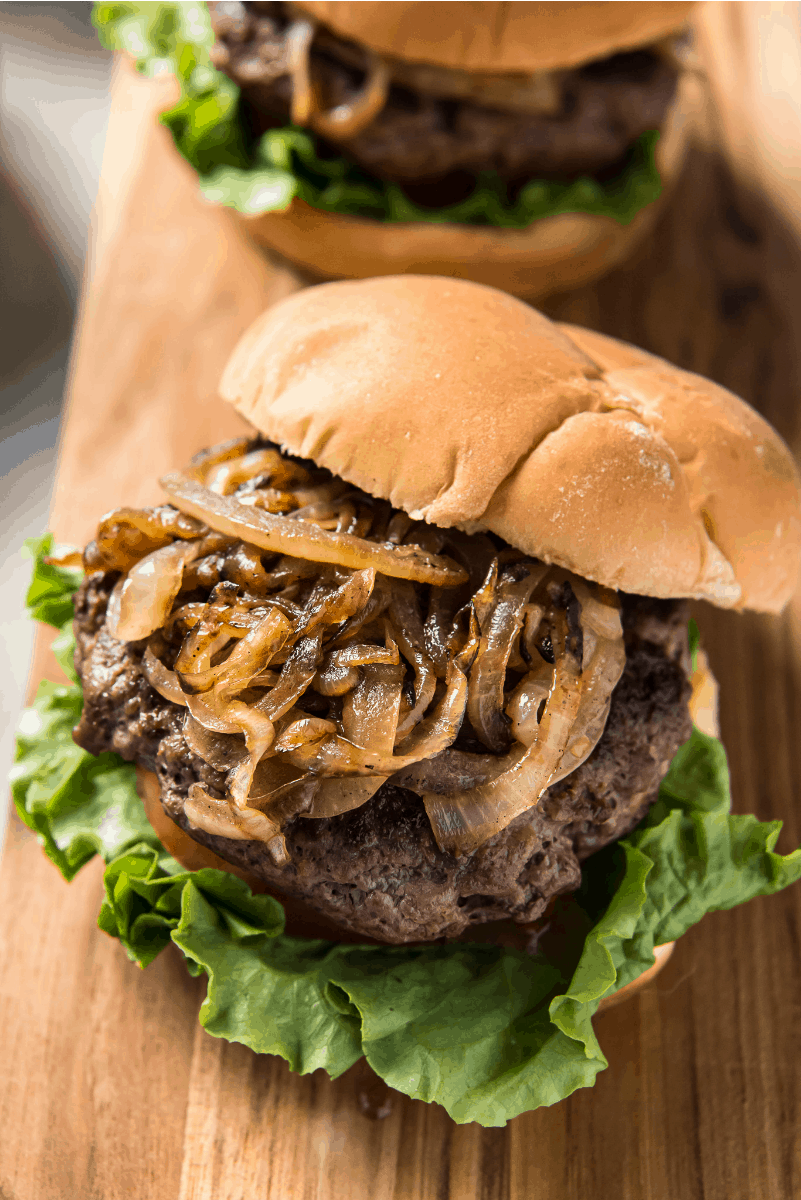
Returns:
(467,408)
(499,38)
(552,254)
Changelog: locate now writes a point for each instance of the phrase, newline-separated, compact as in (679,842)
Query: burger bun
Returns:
(468,408)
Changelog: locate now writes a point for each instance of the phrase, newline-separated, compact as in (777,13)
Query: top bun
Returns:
(493,37)
(467,408)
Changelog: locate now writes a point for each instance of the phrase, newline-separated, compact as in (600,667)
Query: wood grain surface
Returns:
(110,1087)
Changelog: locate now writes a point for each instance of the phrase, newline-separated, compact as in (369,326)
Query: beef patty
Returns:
(604,108)
(377,871)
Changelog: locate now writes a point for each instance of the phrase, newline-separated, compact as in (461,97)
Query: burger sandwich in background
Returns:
(522,146)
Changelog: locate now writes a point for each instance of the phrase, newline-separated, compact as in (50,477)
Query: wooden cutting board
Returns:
(109,1086)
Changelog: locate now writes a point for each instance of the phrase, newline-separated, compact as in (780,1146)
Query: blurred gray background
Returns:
(54,80)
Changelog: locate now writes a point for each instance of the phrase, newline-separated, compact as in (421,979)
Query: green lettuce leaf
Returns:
(484,1031)
(257,176)
(49,598)
(77,804)
(144,889)
(271,993)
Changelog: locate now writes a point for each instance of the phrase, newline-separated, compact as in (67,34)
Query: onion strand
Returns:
(284,535)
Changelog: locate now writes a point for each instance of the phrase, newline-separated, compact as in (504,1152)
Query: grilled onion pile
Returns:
(322,642)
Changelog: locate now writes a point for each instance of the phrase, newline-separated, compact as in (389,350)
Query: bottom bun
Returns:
(552,254)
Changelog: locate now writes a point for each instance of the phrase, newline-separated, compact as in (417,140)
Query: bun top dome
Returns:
(494,37)
(466,407)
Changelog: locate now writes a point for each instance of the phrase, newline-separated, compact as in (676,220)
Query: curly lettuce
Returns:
(264,175)
(484,1031)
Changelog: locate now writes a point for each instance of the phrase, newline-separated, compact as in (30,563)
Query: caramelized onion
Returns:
(298,673)
(357,655)
(221,819)
(290,799)
(346,120)
(312,749)
(443,605)
(250,655)
(333,680)
(282,474)
(243,565)
(408,630)
(599,680)
(527,644)
(488,673)
(144,601)
(285,535)
(312,495)
(377,604)
(64,556)
(272,500)
(225,477)
(461,823)
(220,750)
(600,609)
(126,535)
(369,720)
(526,701)
(259,734)
(207,637)
(299,38)
(326,607)
(210,719)
(163,680)
(465,655)
(339,675)
(203,462)
(190,614)
(271,775)
(158,524)
(293,673)
(399,525)
(484,597)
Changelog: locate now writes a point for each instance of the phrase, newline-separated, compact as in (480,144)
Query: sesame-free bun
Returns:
(467,408)
(552,254)
(501,38)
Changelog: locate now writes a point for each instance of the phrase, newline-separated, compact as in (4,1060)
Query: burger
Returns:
(407,677)
(522,146)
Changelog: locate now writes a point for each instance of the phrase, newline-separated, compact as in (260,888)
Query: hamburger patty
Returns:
(377,871)
(605,107)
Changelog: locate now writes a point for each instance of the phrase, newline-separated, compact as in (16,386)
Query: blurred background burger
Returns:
(519,145)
